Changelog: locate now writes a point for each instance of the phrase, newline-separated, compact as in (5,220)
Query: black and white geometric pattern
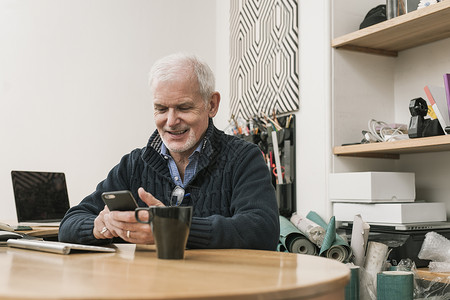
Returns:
(264,57)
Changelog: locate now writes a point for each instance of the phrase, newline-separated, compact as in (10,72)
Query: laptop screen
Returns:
(40,196)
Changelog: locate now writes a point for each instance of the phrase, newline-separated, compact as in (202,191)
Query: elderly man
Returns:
(230,188)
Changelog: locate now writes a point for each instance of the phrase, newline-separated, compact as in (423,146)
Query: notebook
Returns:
(55,247)
(41,197)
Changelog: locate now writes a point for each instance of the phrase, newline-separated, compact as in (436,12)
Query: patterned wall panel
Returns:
(264,57)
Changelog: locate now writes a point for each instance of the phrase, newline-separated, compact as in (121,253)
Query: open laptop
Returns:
(41,197)
(406,226)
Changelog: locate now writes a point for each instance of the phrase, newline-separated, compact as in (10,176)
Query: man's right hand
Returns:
(123,224)
(148,198)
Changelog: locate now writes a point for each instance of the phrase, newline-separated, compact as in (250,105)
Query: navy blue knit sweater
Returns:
(233,200)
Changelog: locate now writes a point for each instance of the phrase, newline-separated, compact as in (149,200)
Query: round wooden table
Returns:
(134,272)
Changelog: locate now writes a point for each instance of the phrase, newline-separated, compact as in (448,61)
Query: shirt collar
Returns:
(165,151)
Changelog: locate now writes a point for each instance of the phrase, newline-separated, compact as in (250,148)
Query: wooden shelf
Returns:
(394,149)
(413,29)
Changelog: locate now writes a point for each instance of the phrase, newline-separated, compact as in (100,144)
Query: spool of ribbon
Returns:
(393,285)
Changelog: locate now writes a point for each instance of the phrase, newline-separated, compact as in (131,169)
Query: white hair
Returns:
(169,67)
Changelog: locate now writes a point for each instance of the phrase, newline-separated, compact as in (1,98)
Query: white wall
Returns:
(313,118)
(73,82)
(223,61)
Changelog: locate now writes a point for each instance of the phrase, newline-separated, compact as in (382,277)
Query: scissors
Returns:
(274,171)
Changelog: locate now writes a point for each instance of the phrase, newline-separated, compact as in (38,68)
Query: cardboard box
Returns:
(372,187)
(392,213)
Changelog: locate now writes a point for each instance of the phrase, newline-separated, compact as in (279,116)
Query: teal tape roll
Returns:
(395,285)
(293,240)
(352,288)
(303,246)
(337,247)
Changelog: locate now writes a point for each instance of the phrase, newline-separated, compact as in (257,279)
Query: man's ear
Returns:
(213,105)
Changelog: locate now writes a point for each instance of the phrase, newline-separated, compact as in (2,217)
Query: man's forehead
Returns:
(176,82)
(166,90)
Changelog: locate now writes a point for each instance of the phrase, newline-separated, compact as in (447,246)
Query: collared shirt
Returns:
(191,168)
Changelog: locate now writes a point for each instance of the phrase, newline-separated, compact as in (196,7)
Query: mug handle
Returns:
(136,215)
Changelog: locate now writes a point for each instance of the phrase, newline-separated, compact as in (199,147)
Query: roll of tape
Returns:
(393,285)
(338,252)
(303,246)
(293,240)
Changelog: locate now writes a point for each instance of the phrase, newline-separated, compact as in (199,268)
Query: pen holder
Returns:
(284,199)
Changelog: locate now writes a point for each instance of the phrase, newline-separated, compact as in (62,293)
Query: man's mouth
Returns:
(178,132)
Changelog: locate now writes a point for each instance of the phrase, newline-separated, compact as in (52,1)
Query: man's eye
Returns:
(160,109)
(184,108)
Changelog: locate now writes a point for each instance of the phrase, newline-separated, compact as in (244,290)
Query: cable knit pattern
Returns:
(233,200)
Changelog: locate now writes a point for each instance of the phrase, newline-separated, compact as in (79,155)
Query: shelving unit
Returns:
(416,28)
(389,38)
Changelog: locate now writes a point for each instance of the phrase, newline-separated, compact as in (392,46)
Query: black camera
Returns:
(418,125)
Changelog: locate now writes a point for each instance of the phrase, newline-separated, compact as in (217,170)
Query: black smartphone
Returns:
(119,200)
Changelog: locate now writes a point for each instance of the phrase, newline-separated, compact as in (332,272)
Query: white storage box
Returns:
(372,187)
(392,213)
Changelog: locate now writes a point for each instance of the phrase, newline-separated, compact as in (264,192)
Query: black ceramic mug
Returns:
(170,226)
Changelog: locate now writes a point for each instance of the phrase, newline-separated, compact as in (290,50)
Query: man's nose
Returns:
(172,117)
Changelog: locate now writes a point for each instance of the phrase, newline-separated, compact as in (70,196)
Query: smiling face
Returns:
(181,114)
